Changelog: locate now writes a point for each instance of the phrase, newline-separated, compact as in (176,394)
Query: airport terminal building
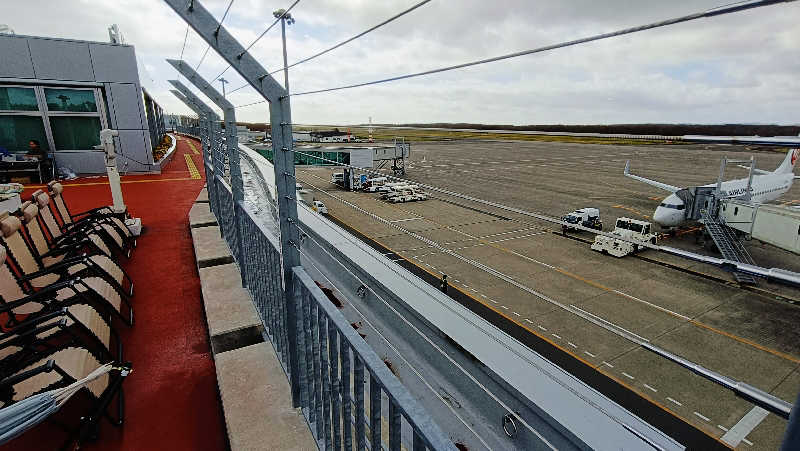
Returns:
(62,92)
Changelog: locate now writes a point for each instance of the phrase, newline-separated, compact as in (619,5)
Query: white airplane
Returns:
(767,186)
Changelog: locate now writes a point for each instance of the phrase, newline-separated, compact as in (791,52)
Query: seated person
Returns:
(36,152)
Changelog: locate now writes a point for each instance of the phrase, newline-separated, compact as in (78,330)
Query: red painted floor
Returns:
(171,396)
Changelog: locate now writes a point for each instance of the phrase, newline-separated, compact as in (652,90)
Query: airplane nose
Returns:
(663,217)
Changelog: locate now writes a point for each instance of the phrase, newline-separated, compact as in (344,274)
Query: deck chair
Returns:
(70,370)
(44,334)
(100,213)
(100,266)
(82,274)
(50,251)
(81,303)
(105,229)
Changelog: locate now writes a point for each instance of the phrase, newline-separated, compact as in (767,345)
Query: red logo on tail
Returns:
(795,154)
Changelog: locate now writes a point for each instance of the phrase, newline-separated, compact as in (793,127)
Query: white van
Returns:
(337,178)
(319,207)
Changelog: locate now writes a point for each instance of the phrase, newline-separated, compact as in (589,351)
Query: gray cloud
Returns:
(738,68)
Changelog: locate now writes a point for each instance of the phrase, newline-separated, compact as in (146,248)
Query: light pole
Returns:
(285,17)
(223,82)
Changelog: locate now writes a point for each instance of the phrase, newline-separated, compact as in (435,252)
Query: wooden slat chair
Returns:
(61,369)
(47,332)
(83,315)
(53,251)
(96,214)
(83,274)
(23,253)
(46,253)
(104,229)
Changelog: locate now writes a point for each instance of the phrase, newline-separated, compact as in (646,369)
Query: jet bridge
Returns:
(706,203)
(773,224)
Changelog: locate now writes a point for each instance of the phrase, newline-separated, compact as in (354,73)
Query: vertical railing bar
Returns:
(264,283)
(317,369)
(266,286)
(358,389)
(374,411)
(269,294)
(395,424)
(336,405)
(326,387)
(309,360)
(346,395)
(419,443)
(283,321)
(301,300)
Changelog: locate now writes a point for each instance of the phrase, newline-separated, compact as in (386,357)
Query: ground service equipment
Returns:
(586,217)
(630,229)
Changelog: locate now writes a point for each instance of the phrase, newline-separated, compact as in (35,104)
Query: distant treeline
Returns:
(635,129)
(255,126)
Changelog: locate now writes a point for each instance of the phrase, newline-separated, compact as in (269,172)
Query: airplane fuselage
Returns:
(765,188)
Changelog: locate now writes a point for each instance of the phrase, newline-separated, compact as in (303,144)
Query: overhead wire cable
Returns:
(396,16)
(718,11)
(208,47)
(183,48)
(239,56)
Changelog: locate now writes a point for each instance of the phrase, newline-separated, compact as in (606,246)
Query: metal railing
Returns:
(347,393)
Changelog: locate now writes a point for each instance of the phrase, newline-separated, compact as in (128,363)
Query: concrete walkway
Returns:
(255,393)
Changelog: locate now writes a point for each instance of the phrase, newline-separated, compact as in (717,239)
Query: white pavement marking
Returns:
(506,233)
(493,301)
(504,307)
(528,321)
(572,344)
(702,416)
(517,237)
(607,364)
(684,317)
(557,336)
(589,354)
(541,327)
(722,427)
(747,441)
(745,426)
(674,400)
(407,219)
(650,388)
(628,375)
(516,313)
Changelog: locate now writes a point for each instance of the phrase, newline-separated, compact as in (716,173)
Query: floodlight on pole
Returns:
(223,82)
(285,17)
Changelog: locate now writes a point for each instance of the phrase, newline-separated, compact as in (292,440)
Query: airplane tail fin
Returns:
(788,163)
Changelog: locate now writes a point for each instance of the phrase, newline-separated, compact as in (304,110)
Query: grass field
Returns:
(446,135)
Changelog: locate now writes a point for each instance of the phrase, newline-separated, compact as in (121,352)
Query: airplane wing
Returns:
(663,186)
(755,171)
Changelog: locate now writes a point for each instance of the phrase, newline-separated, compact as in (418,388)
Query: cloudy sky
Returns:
(737,68)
